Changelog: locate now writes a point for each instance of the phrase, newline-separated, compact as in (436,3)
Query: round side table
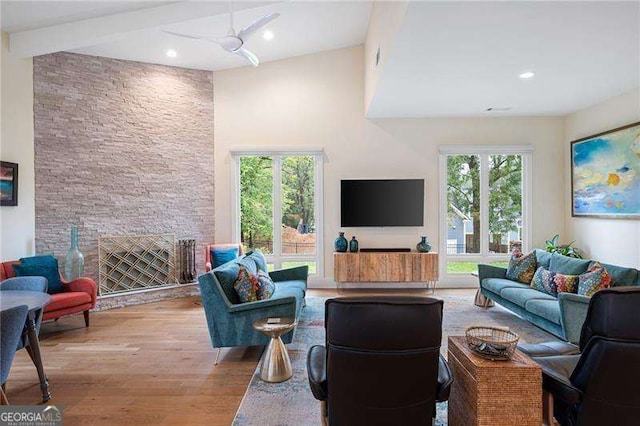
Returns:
(276,365)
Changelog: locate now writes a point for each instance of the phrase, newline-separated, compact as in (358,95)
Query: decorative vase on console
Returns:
(341,244)
(74,262)
(353,245)
(423,246)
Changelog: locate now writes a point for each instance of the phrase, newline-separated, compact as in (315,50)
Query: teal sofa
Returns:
(230,322)
(562,316)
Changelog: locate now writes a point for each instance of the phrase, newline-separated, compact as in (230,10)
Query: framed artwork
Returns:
(605,174)
(8,184)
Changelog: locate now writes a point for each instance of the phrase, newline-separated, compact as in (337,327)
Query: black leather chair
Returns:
(602,384)
(382,363)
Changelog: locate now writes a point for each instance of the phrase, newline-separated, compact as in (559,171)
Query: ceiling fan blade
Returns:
(230,43)
(190,36)
(256,25)
(247,55)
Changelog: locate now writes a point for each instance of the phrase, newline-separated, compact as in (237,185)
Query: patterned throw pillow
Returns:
(553,282)
(246,285)
(594,280)
(522,268)
(267,286)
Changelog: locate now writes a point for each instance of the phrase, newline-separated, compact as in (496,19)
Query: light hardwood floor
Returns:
(145,364)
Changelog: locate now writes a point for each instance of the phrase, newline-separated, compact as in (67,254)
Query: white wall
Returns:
(317,101)
(614,241)
(17,224)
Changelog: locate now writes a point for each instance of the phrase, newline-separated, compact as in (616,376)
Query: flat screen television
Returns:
(384,202)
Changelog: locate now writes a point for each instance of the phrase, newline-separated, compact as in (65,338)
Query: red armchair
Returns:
(79,295)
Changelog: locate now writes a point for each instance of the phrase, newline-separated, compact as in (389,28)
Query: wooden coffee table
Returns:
(488,392)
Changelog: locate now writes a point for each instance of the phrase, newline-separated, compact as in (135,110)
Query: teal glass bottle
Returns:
(74,262)
(353,245)
(341,244)
(423,246)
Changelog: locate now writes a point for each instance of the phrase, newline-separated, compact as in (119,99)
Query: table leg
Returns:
(276,365)
(34,345)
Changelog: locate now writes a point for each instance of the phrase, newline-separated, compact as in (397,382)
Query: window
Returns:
(278,204)
(484,205)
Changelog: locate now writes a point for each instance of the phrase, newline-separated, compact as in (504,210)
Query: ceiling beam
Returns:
(89,32)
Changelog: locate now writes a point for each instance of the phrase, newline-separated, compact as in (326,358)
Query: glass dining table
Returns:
(35,300)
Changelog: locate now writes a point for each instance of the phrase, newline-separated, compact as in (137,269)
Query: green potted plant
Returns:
(552,246)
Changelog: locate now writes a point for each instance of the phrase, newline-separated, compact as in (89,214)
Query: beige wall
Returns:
(614,241)
(317,101)
(17,224)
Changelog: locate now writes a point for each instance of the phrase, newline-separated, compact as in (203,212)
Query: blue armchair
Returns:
(230,322)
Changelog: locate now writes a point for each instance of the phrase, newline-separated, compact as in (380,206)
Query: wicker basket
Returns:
(494,343)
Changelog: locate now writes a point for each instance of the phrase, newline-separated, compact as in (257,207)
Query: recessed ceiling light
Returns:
(172,53)
(526,75)
(267,35)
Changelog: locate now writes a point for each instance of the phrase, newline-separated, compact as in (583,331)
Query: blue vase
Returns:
(353,245)
(74,262)
(423,246)
(341,244)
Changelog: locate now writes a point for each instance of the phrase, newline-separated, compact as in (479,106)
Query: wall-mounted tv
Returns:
(384,202)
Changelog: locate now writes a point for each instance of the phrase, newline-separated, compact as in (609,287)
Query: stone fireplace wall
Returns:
(121,148)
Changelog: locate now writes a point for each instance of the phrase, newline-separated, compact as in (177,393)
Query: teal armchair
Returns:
(230,322)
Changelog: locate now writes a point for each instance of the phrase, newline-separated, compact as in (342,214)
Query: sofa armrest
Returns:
(445,379)
(207,266)
(317,371)
(490,271)
(573,312)
(263,304)
(84,285)
(300,273)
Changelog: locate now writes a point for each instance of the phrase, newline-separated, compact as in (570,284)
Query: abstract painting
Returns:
(8,184)
(605,174)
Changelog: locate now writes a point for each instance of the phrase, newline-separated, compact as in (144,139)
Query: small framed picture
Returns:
(8,184)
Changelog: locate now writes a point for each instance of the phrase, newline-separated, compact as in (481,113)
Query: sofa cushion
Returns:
(249,263)
(496,285)
(222,255)
(258,257)
(41,266)
(552,283)
(520,296)
(522,268)
(547,309)
(246,285)
(620,275)
(543,258)
(266,286)
(227,275)
(289,291)
(293,283)
(593,281)
(67,300)
(568,265)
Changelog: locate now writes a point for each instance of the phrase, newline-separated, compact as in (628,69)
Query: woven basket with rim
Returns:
(494,343)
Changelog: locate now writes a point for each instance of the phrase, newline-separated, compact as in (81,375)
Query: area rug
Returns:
(291,403)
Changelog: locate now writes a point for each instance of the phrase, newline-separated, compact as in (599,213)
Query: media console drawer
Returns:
(385,267)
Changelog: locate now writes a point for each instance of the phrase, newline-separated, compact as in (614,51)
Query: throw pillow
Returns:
(41,266)
(553,282)
(259,258)
(593,281)
(246,285)
(267,286)
(222,255)
(522,268)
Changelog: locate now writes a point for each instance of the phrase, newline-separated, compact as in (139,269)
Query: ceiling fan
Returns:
(234,42)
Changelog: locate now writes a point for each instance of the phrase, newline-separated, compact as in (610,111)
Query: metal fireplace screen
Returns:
(136,262)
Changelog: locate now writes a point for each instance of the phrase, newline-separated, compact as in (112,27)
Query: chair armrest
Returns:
(317,371)
(84,285)
(445,379)
(490,271)
(298,273)
(573,312)
(25,283)
(207,266)
(556,371)
(263,304)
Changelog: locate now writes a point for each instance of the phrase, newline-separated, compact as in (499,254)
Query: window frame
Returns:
(483,151)
(277,258)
